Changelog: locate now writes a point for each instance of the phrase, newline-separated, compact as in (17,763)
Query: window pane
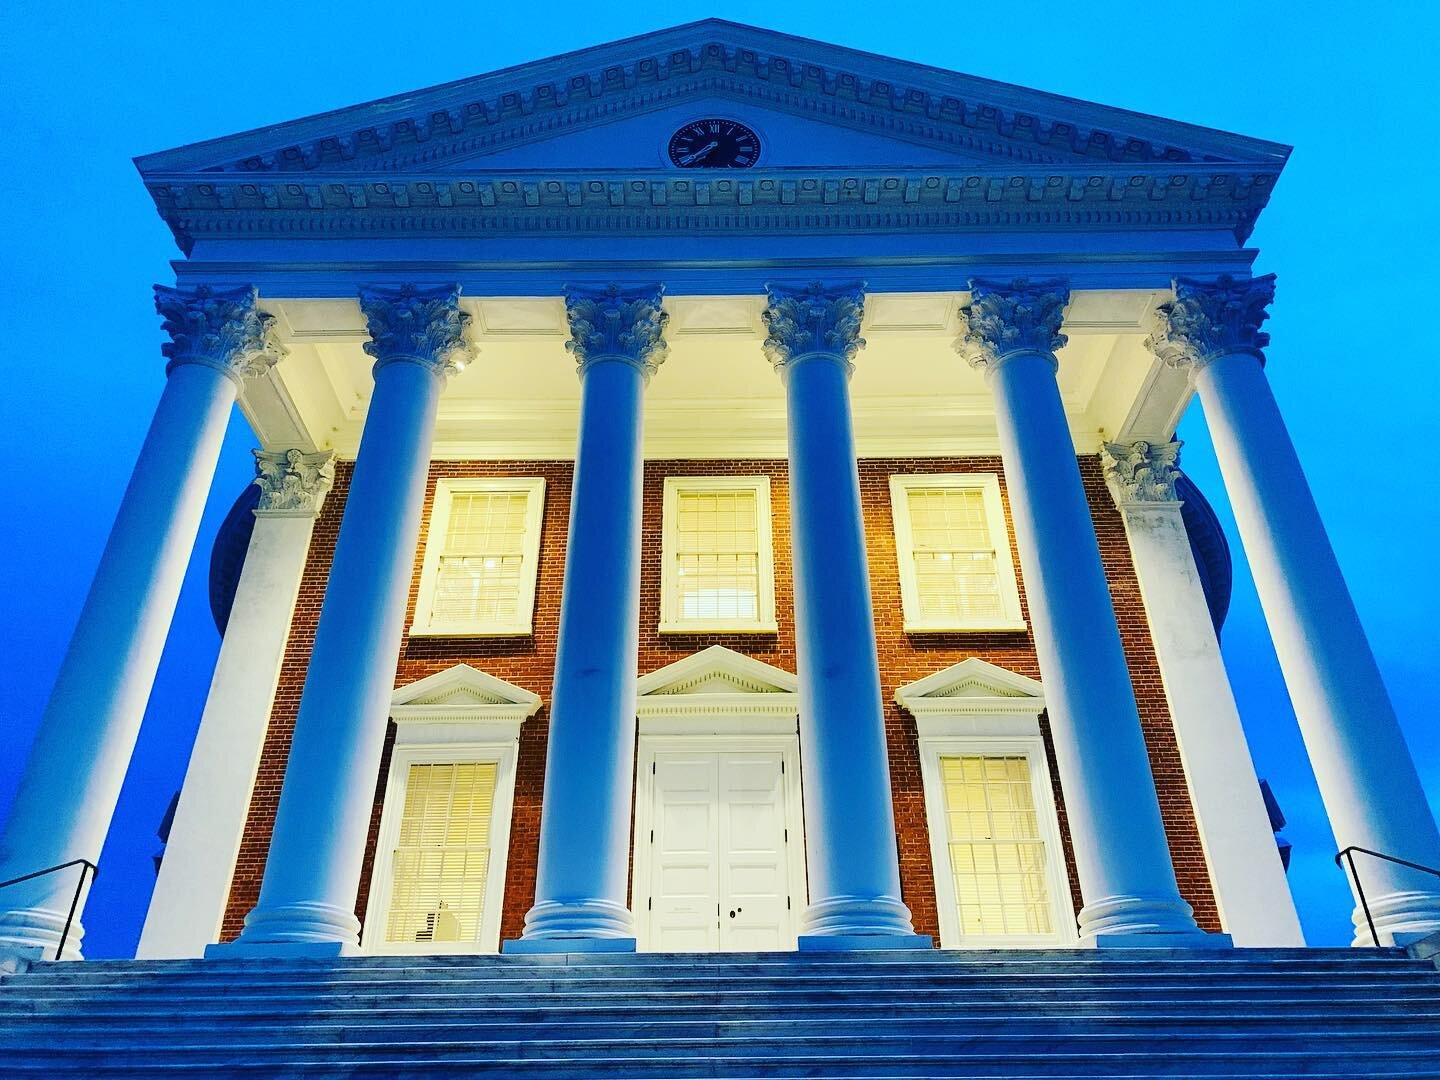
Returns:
(956,574)
(442,858)
(717,555)
(479,574)
(997,856)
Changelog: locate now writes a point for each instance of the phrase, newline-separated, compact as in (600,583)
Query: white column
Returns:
(581,882)
(1251,891)
(193,886)
(1127,880)
(82,749)
(1367,778)
(850,844)
(312,873)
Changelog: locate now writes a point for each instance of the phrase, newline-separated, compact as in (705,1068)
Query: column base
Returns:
(34,934)
(1197,940)
(579,919)
(1401,918)
(556,945)
(855,916)
(280,950)
(814,943)
(1137,916)
(333,930)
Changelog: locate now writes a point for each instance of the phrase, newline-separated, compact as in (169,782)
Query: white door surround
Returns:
(719,824)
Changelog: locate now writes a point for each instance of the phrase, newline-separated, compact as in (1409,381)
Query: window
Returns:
(997,856)
(717,570)
(954,552)
(442,856)
(481,556)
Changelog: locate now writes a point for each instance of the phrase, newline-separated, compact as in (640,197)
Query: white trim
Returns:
(670,621)
(717,691)
(649,744)
(458,715)
(989,486)
(974,707)
(424,624)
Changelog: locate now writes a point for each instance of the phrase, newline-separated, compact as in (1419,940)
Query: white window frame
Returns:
(462,716)
(425,624)
(989,485)
(670,622)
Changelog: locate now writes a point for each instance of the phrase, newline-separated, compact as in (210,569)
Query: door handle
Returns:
(736,912)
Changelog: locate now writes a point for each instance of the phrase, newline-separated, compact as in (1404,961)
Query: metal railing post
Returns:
(86,868)
(1348,854)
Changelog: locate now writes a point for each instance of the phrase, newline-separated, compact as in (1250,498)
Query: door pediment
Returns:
(717,691)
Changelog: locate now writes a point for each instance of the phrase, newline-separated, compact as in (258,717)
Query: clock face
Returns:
(714,144)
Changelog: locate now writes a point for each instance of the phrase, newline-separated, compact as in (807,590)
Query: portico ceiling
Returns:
(716,395)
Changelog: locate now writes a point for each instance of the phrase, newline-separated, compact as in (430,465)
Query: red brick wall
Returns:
(529,662)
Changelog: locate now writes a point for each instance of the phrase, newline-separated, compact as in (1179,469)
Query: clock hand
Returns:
(690,159)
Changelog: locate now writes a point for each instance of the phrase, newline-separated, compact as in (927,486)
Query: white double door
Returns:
(719,847)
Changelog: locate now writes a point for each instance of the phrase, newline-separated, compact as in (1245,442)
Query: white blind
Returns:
(997,857)
(442,859)
(956,575)
(717,571)
(479,574)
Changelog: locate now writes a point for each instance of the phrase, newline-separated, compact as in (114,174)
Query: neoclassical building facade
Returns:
(717,491)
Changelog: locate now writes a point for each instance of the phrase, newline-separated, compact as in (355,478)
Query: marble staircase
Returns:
(1017,1013)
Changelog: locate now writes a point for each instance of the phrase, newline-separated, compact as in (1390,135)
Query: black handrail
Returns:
(86,867)
(1348,854)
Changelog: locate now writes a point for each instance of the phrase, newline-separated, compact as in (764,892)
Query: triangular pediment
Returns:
(716,670)
(462,687)
(973,685)
(612,107)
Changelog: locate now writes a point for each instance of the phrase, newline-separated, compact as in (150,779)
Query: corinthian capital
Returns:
(1207,320)
(1016,317)
(218,328)
(417,325)
(616,322)
(292,482)
(1141,472)
(803,320)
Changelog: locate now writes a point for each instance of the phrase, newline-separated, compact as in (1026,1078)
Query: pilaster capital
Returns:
(292,482)
(1003,319)
(1211,319)
(411,324)
(1142,473)
(616,322)
(818,318)
(217,328)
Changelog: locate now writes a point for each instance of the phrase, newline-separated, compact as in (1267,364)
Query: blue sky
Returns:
(88,86)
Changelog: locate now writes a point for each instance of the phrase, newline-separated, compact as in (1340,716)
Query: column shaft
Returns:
(582,876)
(82,749)
(1121,853)
(1367,777)
(193,885)
(312,873)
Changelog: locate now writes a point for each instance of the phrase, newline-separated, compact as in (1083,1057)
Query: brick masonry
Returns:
(529,662)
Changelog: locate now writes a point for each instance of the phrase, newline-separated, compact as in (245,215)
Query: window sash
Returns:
(717,569)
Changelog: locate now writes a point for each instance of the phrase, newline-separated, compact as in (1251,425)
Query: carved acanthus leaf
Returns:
(803,320)
(293,481)
(617,321)
(1207,320)
(417,325)
(219,328)
(1019,316)
(1141,472)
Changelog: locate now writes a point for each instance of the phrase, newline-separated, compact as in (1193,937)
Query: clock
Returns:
(714,144)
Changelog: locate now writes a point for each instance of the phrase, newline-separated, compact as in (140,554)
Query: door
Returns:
(718,875)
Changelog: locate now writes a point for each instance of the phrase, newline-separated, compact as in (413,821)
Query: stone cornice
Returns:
(803,320)
(417,325)
(1004,318)
(1209,319)
(293,483)
(217,328)
(1141,474)
(765,201)
(617,322)
(899,100)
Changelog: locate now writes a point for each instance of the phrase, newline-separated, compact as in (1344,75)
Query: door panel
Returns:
(719,872)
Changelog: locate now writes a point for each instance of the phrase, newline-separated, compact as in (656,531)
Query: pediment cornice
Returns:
(430,129)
